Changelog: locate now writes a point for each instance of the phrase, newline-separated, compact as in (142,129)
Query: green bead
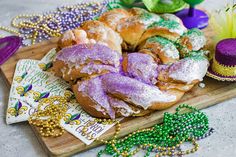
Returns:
(179,126)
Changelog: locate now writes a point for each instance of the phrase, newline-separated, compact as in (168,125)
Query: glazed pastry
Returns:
(171,17)
(174,86)
(169,29)
(102,33)
(138,93)
(189,70)
(113,18)
(94,99)
(131,29)
(84,60)
(137,11)
(161,48)
(109,84)
(73,37)
(193,40)
(140,66)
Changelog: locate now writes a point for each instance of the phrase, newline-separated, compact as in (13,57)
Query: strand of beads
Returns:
(164,139)
(49,113)
(35,28)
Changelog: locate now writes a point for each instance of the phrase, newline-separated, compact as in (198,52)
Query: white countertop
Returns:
(18,140)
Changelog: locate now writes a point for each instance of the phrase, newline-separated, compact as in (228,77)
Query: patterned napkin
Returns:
(19,110)
(32,82)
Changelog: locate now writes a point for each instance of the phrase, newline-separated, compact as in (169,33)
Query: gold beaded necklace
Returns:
(24,21)
(49,113)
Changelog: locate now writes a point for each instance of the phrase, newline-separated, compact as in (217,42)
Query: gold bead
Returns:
(187,151)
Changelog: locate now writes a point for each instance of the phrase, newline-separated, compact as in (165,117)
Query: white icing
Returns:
(92,41)
(68,35)
(105,34)
(152,95)
(188,70)
(93,89)
(133,20)
(170,51)
(147,22)
(126,23)
(80,35)
(134,91)
(171,17)
(179,30)
(197,41)
(114,18)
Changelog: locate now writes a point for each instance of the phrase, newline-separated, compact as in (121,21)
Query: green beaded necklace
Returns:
(164,139)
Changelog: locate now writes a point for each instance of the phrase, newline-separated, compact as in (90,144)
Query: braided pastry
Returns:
(166,61)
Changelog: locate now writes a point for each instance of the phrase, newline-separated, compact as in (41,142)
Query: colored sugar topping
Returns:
(189,69)
(143,17)
(196,38)
(197,55)
(93,89)
(134,91)
(81,54)
(142,67)
(194,31)
(173,26)
(168,47)
(149,18)
(166,24)
(171,17)
(146,16)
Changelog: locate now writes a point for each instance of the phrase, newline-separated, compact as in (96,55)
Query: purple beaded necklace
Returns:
(36,28)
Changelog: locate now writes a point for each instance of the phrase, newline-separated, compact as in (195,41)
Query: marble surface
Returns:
(18,140)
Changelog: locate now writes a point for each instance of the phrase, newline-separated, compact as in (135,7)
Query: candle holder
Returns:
(192,17)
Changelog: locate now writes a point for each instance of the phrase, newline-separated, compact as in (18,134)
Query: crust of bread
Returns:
(156,50)
(186,42)
(157,31)
(149,52)
(68,42)
(71,74)
(124,63)
(143,113)
(137,11)
(112,18)
(101,32)
(163,76)
(131,32)
(89,105)
(174,86)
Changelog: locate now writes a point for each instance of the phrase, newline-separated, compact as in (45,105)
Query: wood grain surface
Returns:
(66,145)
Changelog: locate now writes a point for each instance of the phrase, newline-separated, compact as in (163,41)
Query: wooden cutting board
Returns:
(66,145)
